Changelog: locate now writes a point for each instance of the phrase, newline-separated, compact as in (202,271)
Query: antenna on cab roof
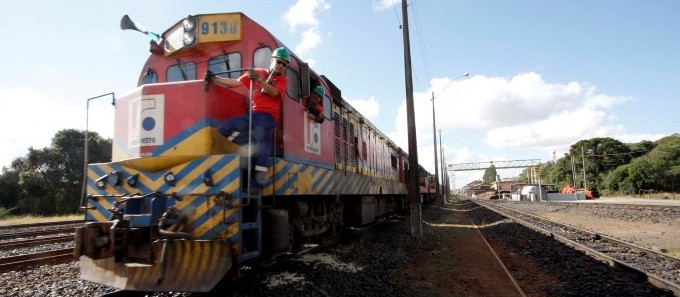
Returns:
(127,24)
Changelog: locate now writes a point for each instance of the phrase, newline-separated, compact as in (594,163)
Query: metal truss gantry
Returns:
(452,168)
(497,164)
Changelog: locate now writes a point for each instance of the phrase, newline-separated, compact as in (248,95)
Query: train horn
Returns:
(127,24)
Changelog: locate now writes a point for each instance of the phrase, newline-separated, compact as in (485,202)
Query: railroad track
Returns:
(661,270)
(48,257)
(34,242)
(13,235)
(41,224)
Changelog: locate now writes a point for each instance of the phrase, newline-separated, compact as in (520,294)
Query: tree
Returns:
(602,155)
(641,148)
(657,169)
(49,180)
(490,174)
(9,183)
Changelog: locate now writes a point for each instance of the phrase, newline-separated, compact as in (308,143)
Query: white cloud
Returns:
(369,108)
(633,138)
(304,14)
(520,112)
(310,39)
(525,111)
(385,4)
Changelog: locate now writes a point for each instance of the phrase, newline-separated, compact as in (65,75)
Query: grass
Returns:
(29,219)
(660,196)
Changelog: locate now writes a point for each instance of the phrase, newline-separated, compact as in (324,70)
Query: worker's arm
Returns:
(267,88)
(229,82)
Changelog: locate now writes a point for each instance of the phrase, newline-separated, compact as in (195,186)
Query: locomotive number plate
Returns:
(219,27)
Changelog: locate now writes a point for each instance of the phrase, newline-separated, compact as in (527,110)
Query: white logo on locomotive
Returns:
(312,135)
(146,121)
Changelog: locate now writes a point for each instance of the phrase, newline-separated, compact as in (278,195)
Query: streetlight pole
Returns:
(443,169)
(85,146)
(436,166)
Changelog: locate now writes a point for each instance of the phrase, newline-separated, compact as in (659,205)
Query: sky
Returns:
(542,74)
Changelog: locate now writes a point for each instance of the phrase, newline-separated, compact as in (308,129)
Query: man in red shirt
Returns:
(268,87)
(313,104)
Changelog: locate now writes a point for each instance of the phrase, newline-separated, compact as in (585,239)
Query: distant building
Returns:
(476,188)
(508,185)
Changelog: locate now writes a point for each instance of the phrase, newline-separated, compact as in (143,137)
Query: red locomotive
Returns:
(172,212)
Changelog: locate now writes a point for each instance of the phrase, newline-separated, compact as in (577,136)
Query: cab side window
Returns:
(224,63)
(293,84)
(150,77)
(327,106)
(181,72)
(262,57)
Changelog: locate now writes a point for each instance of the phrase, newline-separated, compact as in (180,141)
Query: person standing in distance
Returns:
(268,87)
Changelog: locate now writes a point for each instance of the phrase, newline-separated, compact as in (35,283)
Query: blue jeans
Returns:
(236,130)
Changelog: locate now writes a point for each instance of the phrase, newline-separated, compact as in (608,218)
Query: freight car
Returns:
(172,211)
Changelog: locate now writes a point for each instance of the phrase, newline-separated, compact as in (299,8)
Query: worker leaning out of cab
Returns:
(313,104)
(268,86)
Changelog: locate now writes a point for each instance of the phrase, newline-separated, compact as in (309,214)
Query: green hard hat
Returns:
(319,90)
(282,54)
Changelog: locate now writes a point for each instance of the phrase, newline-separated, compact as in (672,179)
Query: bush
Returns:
(5,212)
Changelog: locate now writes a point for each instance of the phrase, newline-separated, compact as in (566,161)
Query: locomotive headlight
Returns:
(132,180)
(207,179)
(115,178)
(170,178)
(189,38)
(189,23)
(101,182)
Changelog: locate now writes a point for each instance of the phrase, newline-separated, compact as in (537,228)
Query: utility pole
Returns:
(583,157)
(446,191)
(443,169)
(414,189)
(436,167)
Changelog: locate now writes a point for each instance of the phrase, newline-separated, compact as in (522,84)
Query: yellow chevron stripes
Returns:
(216,219)
(195,265)
(204,209)
(299,179)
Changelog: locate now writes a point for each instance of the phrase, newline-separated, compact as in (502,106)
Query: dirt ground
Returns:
(658,237)
(461,264)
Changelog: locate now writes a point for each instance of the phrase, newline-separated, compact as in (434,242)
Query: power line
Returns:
(635,152)
(397,14)
(421,40)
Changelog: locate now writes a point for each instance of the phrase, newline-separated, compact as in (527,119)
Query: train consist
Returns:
(172,211)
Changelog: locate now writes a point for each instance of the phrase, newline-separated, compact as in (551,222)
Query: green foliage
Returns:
(490,174)
(641,148)
(602,155)
(614,167)
(49,180)
(5,212)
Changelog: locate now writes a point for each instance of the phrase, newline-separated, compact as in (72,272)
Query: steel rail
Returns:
(495,255)
(13,235)
(4,227)
(610,250)
(34,242)
(54,256)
